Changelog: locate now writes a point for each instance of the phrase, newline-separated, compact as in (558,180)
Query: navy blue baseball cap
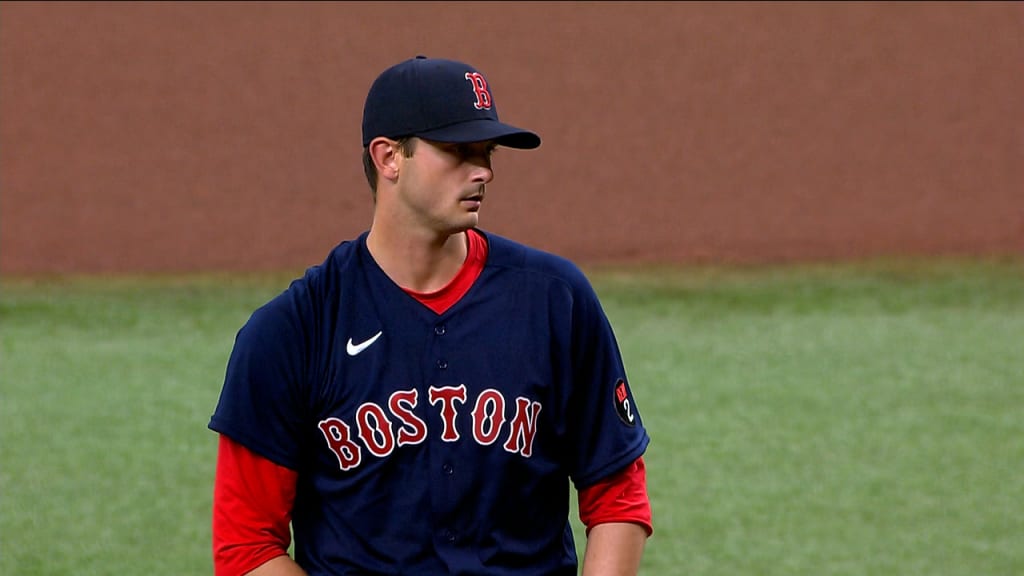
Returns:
(439,100)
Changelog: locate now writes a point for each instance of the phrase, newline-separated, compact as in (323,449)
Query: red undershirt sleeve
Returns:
(252,504)
(622,497)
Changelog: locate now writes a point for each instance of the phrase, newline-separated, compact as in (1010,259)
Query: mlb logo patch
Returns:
(623,405)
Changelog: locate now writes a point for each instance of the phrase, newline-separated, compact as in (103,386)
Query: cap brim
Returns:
(483,130)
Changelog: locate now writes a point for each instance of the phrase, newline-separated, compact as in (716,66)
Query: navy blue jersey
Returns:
(426,443)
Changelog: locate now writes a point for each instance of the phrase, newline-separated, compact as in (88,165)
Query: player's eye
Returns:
(457,150)
(477,149)
(465,151)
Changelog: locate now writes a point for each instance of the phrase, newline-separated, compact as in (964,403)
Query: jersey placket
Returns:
(447,397)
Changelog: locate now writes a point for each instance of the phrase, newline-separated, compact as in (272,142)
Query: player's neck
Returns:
(421,264)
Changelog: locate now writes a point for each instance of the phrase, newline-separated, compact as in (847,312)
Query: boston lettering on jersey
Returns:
(381,435)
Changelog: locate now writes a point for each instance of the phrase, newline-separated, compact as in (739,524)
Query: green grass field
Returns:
(839,420)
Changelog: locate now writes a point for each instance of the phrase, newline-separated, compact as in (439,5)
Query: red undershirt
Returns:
(253,497)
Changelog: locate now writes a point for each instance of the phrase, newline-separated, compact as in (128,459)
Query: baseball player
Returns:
(419,402)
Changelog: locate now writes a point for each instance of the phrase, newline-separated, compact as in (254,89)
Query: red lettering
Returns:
(447,396)
(523,427)
(488,416)
(483,94)
(340,442)
(413,429)
(378,437)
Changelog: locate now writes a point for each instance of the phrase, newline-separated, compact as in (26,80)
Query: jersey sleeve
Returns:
(252,504)
(260,405)
(606,428)
(622,497)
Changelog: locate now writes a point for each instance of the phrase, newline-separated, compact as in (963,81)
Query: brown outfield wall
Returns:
(141,137)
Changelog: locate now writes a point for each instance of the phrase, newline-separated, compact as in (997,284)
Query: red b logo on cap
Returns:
(483,96)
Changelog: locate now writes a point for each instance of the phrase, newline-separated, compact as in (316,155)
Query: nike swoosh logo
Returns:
(354,349)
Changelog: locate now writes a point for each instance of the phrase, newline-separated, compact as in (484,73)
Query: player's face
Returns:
(443,184)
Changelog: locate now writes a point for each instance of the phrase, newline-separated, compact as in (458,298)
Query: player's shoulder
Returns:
(326,276)
(512,255)
(302,301)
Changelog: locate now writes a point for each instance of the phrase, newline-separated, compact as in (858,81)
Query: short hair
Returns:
(407,145)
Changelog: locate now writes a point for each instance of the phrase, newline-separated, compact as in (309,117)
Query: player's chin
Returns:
(469,210)
(465,221)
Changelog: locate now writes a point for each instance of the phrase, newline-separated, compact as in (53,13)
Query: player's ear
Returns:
(386,156)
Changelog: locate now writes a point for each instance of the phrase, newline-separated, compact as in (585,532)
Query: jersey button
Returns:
(448,469)
(449,536)
(442,364)
(439,329)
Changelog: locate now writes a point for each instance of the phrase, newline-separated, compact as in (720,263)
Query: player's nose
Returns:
(483,174)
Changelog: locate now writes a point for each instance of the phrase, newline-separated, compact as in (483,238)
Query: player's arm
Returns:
(617,514)
(252,503)
(279,566)
(614,549)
